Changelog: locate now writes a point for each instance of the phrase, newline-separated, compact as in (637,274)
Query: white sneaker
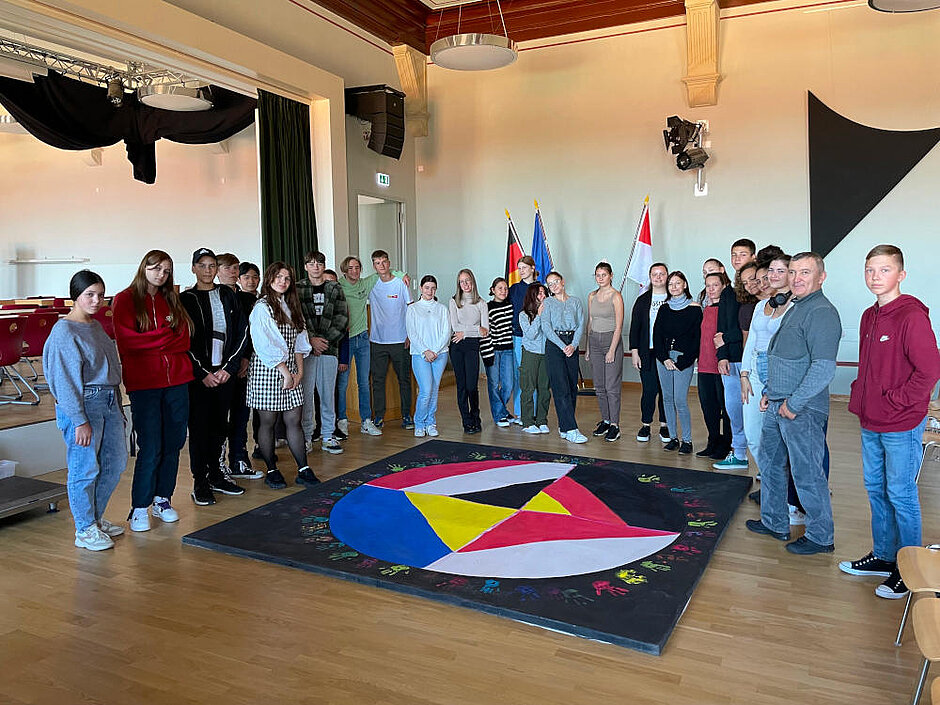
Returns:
(331,445)
(503,423)
(432,431)
(369,428)
(161,509)
(93,539)
(544,429)
(139,519)
(419,433)
(575,436)
(343,425)
(516,420)
(797,518)
(531,429)
(110,529)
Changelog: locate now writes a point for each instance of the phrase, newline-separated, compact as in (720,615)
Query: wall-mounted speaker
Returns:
(384,107)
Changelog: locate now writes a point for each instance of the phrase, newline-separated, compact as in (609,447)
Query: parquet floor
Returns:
(156,622)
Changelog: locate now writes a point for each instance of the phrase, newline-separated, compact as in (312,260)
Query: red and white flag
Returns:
(641,255)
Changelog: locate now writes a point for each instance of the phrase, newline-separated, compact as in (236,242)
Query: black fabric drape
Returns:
(288,225)
(69,114)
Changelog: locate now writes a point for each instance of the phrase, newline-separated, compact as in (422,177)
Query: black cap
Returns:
(202,252)
(245,267)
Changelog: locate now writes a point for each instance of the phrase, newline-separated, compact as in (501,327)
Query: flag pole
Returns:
(538,214)
(636,238)
(512,227)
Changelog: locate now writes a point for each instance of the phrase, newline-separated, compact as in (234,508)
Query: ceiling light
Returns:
(903,5)
(175,97)
(474,51)
(116,92)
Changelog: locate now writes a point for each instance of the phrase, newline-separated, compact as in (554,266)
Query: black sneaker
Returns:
(202,495)
(643,435)
(407,423)
(893,588)
(757,526)
(720,454)
(256,453)
(664,434)
(601,428)
(755,497)
(685,448)
(869,565)
(807,547)
(706,452)
(306,477)
(672,445)
(339,435)
(225,486)
(244,470)
(613,433)
(275,480)
(315,436)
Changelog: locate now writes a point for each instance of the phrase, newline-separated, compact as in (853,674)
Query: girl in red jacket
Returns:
(151,328)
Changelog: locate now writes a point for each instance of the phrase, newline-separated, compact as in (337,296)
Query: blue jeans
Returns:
(94,470)
(429,376)
(803,441)
(735,410)
(516,366)
(890,462)
(675,389)
(499,383)
(161,417)
(358,351)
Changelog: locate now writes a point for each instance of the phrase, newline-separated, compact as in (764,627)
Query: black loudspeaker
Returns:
(384,107)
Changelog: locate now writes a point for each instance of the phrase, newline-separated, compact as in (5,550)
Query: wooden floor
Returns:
(156,622)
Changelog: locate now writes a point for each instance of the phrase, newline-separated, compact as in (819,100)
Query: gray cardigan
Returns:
(801,358)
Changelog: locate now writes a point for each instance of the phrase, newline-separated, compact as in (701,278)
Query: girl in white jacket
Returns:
(429,332)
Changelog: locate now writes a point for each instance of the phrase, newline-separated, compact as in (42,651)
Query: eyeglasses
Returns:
(553,283)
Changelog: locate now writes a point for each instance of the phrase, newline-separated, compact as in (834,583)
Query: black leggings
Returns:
(295,436)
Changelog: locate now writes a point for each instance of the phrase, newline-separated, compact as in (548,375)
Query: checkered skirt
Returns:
(266,386)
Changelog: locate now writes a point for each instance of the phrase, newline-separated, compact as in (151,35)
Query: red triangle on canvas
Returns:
(532,527)
(421,475)
(580,501)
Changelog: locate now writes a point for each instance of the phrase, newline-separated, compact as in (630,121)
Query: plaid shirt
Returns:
(334,319)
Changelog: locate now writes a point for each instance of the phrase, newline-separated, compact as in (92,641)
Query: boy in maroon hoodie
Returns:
(898,366)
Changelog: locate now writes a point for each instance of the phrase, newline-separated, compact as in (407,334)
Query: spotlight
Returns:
(680,133)
(116,92)
(691,158)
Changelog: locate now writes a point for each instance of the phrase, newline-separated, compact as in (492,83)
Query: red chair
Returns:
(38,327)
(11,352)
(105,317)
(58,302)
(16,307)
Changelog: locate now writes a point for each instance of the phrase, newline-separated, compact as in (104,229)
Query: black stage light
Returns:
(116,92)
(692,158)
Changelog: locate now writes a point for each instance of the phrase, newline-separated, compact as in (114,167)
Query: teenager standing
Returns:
(81,366)
(468,315)
(642,320)
(711,392)
(429,333)
(563,323)
(151,329)
(517,294)
(498,345)
(605,350)
(533,375)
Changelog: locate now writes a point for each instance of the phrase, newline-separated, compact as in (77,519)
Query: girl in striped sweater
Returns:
(496,351)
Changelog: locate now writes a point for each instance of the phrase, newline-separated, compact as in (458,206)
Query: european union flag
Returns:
(540,253)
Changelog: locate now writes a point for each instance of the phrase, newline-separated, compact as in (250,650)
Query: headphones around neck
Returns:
(778,300)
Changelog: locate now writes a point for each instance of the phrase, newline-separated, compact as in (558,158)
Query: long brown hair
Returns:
(531,302)
(290,296)
(138,289)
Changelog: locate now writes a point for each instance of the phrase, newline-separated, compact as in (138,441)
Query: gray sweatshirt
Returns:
(75,356)
(563,315)
(801,358)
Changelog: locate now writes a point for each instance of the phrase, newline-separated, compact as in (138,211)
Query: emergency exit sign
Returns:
(383,180)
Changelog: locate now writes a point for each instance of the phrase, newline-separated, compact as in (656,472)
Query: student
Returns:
(605,350)
(898,366)
(710,388)
(342,358)
(517,293)
(676,339)
(429,333)
(469,319)
(81,366)
(497,347)
(239,464)
(220,335)
(357,289)
(642,320)
(533,375)
(563,324)
(279,338)
(747,288)
(151,329)
(742,253)
(388,300)
(324,307)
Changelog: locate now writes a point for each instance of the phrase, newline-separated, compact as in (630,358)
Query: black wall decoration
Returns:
(852,168)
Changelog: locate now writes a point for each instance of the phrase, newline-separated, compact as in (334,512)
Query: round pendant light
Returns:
(903,5)
(473,52)
(175,97)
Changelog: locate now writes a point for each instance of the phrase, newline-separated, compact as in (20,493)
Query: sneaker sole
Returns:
(276,485)
(333,451)
(643,440)
(846,567)
(253,476)
(165,520)
(201,502)
(141,529)
(81,544)
(611,440)
(230,493)
(890,594)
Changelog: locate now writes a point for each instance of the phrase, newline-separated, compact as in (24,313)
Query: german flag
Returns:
(513,252)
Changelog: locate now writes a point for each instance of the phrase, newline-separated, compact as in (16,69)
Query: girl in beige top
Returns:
(605,350)
(468,319)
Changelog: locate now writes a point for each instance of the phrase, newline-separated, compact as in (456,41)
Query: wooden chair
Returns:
(927,632)
(920,571)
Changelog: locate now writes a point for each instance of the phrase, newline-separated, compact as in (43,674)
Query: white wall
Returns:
(578,126)
(54,206)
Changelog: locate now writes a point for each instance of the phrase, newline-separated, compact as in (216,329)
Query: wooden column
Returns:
(702,75)
(413,73)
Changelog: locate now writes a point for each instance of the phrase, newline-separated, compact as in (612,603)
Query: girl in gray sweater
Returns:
(80,363)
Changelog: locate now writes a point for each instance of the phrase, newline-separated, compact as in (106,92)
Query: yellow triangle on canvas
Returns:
(457,522)
(545,503)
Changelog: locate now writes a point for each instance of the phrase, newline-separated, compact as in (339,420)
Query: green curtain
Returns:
(288,225)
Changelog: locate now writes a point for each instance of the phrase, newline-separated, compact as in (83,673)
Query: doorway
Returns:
(381,227)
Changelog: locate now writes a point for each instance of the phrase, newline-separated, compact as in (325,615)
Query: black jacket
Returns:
(640,325)
(729,326)
(678,330)
(236,331)
(248,301)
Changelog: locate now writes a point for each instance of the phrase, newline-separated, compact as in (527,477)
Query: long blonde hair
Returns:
(474,294)
(138,289)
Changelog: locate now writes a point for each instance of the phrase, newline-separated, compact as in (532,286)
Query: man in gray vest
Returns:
(801,362)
